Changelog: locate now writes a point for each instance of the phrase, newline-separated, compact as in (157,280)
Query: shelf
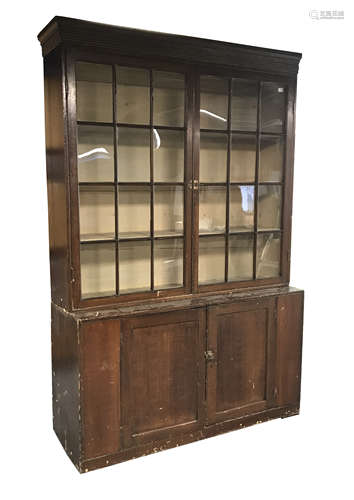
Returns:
(269,230)
(131,235)
(168,234)
(134,290)
(168,286)
(96,184)
(97,237)
(97,295)
(241,229)
(210,282)
(205,232)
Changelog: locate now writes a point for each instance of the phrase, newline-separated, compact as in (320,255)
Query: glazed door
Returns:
(241,220)
(162,375)
(133,165)
(240,359)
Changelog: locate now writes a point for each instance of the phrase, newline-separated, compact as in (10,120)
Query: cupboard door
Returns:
(240,359)
(162,375)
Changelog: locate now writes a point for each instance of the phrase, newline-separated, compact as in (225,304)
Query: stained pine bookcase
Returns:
(170,170)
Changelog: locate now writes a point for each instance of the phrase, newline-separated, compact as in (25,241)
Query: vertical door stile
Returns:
(194,182)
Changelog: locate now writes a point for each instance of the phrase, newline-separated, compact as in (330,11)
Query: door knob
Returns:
(210,355)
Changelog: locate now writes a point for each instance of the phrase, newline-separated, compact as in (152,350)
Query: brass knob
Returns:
(210,355)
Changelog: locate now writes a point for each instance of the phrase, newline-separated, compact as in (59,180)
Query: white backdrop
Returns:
(306,456)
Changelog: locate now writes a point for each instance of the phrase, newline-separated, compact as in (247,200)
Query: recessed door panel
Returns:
(162,373)
(240,359)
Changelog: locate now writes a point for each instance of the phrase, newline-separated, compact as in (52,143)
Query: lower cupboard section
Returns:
(131,385)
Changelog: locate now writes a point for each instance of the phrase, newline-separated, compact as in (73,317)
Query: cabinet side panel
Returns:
(100,387)
(56,178)
(289,347)
(65,377)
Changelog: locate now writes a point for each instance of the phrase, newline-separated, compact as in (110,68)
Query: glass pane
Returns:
(97,220)
(94,92)
(269,207)
(213,102)
(168,210)
(168,98)
(95,154)
(244,105)
(241,214)
(134,211)
(168,155)
(98,273)
(168,255)
(273,107)
(211,260)
(134,266)
(133,95)
(212,209)
(271,159)
(213,157)
(133,154)
(240,257)
(268,255)
(243,158)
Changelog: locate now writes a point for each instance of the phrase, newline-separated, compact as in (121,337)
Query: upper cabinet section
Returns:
(177,162)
